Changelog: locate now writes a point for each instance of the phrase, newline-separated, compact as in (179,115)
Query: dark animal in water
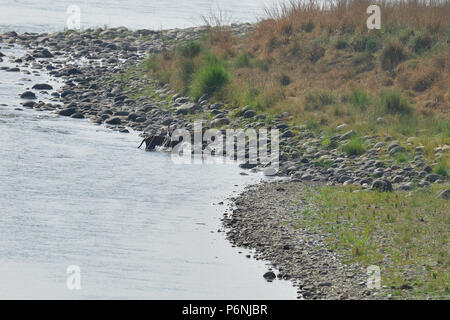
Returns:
(152,142)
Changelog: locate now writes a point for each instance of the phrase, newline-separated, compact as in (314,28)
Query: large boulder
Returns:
(28,95)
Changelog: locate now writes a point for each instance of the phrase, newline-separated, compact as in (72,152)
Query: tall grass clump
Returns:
(359,98)
(316,99)
(209,78)
(392,102)
(422,42)
(243,60)
(354,147)
(392,54)
(441,168)
(190,50)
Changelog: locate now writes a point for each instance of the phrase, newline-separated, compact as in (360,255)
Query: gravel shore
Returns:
(264,219)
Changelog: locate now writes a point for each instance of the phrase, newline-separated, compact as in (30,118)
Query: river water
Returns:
(136,224)
(49,16)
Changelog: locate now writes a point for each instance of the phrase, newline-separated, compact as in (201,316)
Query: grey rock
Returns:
(445,194)
(28,95)
(249,114)
(67,112)
(269,275)
(42,86)
(188,108)
(114,121)
(348,135)
(382,185)
(432,177)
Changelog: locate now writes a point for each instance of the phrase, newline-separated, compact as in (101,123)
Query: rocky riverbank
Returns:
(104,80)
(264,219)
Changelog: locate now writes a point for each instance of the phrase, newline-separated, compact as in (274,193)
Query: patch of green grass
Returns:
(243,60)
(325,163)
(210,77)
(316,99)
(405,234)
(190,50)
(402,157)
(359,98)
(392,102)
(330,144)
(355,147)
(441,168)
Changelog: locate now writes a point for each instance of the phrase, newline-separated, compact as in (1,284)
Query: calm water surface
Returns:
(49,16)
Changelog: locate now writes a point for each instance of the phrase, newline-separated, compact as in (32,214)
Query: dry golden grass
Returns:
(302,52)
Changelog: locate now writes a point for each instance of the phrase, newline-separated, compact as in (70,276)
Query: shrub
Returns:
(392,102)
(441,168)
(317,99)
(359,98)
(372,45)
(340,44)
(365,43)
(421,43)
(186,69)
(354,147)
(392,54)
(330,144)
(315,52)
(209,78)
(190,49)
(243,60)
(284,79)
(402,157)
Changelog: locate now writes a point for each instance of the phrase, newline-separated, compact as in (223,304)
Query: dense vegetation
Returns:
(326,68)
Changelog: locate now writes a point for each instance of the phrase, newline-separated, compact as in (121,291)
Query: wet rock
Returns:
(28,95)
(269,275)
(42,86)
(29,104)
(114,121)
(77,116)
(247,165)
(42,53)
(67,112)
